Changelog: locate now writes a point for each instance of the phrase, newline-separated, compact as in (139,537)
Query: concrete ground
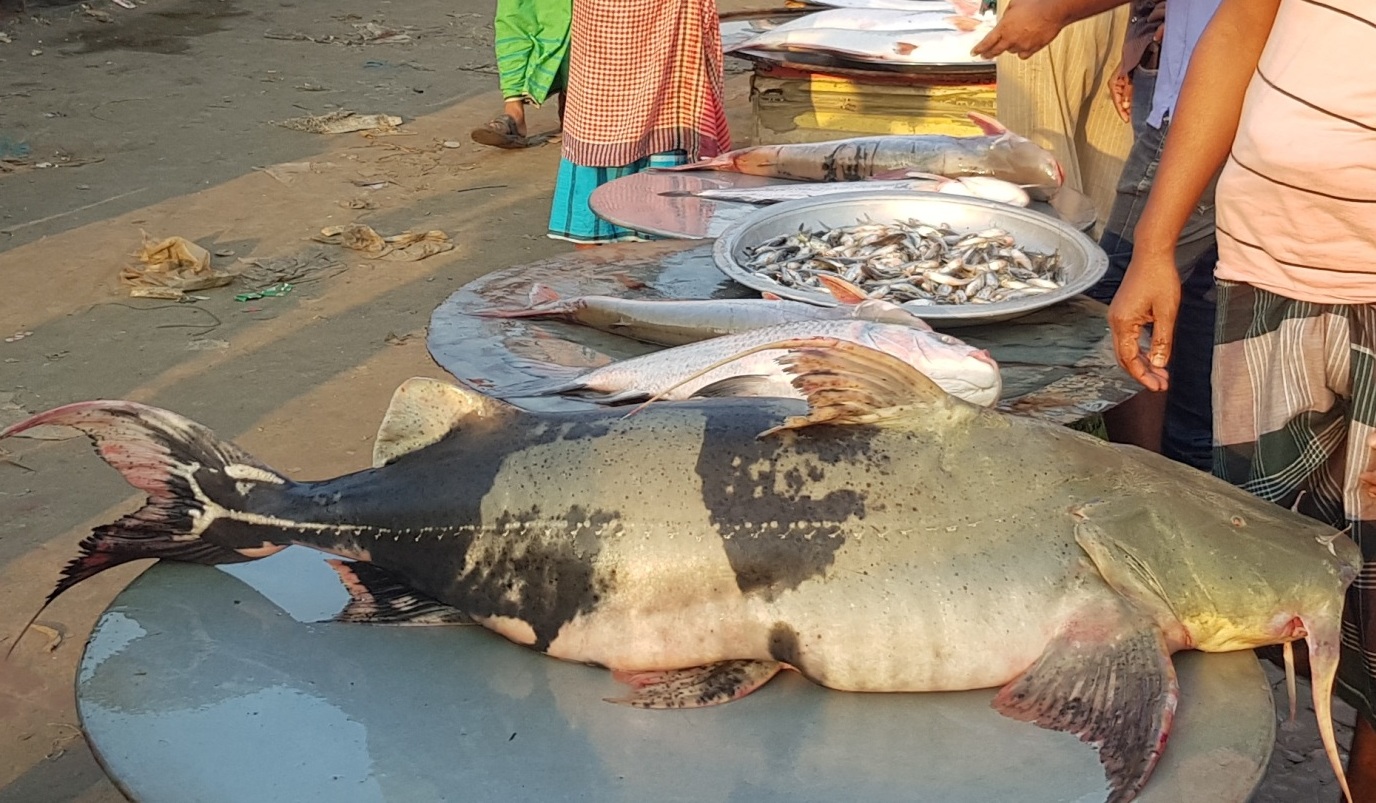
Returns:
(159,119)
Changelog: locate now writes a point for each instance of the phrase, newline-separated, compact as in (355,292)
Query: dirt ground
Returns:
(160,119)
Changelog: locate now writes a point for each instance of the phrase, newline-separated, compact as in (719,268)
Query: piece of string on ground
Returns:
(202,328)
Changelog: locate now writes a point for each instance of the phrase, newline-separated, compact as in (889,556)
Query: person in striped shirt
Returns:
(1279,95)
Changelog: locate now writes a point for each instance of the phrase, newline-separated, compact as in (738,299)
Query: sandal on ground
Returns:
(500,133)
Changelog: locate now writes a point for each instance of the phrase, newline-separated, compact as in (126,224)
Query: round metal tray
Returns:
(1084,261)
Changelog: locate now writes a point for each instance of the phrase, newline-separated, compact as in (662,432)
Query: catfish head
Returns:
(1221,570)
(1020,160)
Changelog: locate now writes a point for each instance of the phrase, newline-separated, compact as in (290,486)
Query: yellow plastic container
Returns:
(793,103)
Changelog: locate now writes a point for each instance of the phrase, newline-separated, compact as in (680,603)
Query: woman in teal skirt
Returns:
(645,90)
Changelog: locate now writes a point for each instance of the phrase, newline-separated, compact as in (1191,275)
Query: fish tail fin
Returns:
(542,301)
(964,22)
(721,162)
(967,8)
(180,464)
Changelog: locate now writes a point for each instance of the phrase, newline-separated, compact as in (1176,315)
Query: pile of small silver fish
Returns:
(910,262)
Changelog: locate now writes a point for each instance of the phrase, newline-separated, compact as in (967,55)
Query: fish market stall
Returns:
(231,685)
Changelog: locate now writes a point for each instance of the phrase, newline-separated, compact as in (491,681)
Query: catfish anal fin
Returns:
(377,597)
(697,686)
(1119,695)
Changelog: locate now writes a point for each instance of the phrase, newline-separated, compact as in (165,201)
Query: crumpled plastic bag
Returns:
(408,246)
(170,268)
(342,122)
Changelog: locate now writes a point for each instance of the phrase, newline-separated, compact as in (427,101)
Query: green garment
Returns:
(532,47)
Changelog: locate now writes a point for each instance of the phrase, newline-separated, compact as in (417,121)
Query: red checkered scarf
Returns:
(645,77)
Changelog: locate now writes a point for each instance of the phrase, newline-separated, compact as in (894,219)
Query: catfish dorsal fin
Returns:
(425,410)
(987,124)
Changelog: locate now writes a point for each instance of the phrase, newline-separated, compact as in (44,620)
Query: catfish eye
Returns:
(1238,521)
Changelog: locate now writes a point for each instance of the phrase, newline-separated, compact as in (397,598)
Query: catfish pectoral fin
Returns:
(377,597)
(1126,712)
(697,686)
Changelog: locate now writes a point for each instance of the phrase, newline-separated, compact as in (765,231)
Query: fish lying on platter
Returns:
(863,20)
(882,537)
(992,189)
(708,368)
(968,8)
(998,153)
(925,46)
(672,322)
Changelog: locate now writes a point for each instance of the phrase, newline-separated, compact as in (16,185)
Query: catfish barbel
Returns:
(998,153)
(881,537)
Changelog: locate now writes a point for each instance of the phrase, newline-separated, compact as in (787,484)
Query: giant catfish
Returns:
(881,536)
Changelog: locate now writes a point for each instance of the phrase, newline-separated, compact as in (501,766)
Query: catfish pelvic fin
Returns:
(697,686)
(425,410)
(377,597)
(1119,694)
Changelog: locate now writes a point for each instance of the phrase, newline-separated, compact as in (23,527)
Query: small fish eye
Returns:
(1238,521)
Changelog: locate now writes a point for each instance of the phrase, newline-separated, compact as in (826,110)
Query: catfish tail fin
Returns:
(180,464)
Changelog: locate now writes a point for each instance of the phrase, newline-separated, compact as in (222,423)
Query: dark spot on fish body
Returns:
(778,527)
(535,567)
(783,645)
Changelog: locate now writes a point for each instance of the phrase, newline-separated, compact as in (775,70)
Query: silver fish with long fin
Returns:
(709,368)
(697,549)
(676,322)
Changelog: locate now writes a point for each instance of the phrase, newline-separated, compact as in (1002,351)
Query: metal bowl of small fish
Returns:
(951,260)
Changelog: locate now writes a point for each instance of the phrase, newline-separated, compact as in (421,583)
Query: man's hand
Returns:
(1150,294)
(1120,86)
(1024,27)
(1368,478)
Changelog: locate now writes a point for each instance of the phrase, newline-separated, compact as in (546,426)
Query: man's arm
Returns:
(1203,126)
(1027,26)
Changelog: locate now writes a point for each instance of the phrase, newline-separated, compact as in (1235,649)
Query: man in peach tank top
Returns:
(1279,95)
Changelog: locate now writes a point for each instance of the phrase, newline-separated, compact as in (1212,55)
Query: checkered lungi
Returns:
(1294,402)
(645,77)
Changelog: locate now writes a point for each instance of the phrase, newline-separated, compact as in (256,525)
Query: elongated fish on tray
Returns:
(709,368)
(881,537)
(965,7)
(925,46)
(865,20)
(998,153)
(969,186)
(675,322)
